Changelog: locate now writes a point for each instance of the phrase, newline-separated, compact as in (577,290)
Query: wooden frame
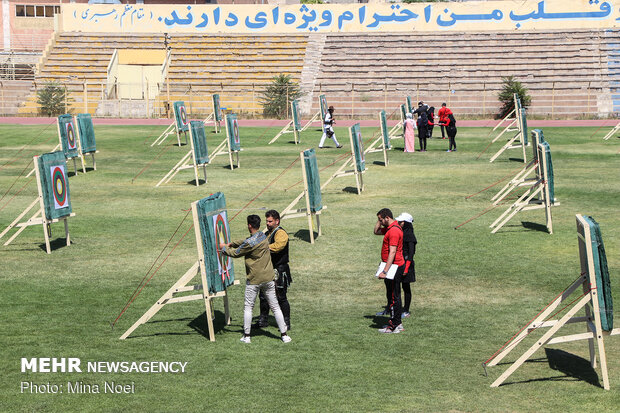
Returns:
(172,128)
(38,217)
(184,163)
(182,286)
(290,126)
(535,197)
(517,141)
(221,151)
(522,178)
(291,212)
(343,171)
(612,132)
(378,145)
(591,321)
(394,131)
(82,154)
(212,118)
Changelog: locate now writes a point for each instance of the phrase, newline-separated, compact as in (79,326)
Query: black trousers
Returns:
(443,134)
(422,140)
(452,142)
(395,307)
(282,301)
(407,294)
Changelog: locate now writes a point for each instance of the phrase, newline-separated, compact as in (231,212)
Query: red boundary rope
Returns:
(148,165)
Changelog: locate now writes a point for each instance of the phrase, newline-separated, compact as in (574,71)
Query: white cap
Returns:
(405,217)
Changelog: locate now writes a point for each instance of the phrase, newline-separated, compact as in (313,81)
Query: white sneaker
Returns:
(245,339)
(405,314)
(286,339)
(390,330)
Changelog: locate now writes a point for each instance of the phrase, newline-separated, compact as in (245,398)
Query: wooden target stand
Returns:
(612,132)
(511,118)
(82,154)
(591,321)
(343,171)
(518,140)
(213,118)
(59,147)
(175,294)
(291,212)
(187,162)
(171,129)
(290,127)
(224,148)
(535,197)
(397,131)
(378,145)
(38,218)
(523,177)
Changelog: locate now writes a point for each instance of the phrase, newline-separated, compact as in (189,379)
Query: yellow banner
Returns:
(334,18)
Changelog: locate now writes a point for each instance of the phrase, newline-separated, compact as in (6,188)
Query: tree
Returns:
(51,99)
(510,86)
(278,96)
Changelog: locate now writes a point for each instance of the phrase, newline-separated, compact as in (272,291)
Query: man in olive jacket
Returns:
(260,275)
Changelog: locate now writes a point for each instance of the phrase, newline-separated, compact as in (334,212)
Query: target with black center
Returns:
(59,186)
(70,132)
(183,115)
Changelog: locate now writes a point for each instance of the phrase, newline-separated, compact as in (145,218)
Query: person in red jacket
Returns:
(443,116)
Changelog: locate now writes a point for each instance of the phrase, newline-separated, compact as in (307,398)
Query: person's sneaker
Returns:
(384,312)
(391,330)
(453,150)
(286,338)
(448,150)
(405,314)
(339,146)
(245,339)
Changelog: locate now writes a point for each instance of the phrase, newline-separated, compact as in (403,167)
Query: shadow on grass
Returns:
(534,226)
(574,368)
(198,324)
(265,331)
(378,163)
(304,235)
(56,244)
(193,182)
(350,189)
(516,160)
(378,321)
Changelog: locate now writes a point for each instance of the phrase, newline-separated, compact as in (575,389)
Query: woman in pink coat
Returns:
(410,127)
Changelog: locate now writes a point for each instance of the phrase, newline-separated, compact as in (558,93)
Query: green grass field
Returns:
(474,290)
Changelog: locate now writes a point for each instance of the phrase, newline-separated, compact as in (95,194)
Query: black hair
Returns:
(272,213)
(385,213)
(254,221)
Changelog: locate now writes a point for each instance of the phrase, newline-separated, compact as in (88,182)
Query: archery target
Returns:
(59,186)
(70,135)
(360,146)
(220,227)
(183,115)
(324,104)
(236,131)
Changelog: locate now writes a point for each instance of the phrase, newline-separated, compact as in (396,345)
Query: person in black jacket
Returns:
(421,111)
(450,124)
(405,221)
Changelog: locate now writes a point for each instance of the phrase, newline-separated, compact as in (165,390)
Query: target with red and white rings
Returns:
(236,131)
(70,135)
(59,186)
(183,115)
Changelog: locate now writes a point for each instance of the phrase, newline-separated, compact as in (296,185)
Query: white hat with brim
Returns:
(405,217)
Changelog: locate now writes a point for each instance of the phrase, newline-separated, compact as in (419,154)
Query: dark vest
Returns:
(278,259)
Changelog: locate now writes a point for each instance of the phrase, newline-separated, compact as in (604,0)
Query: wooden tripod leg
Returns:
(542,341)
(24,212)
(309,214)
(48,247)
(196,174)
(83,164)
(19,231)
(318,224)
(75,166)
(191,273)
(207,301)
(94,161)
(67,236)
(226,309)
(204,170)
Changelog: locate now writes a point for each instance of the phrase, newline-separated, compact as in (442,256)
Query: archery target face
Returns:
(324,104)
(70,135)
(220,227)
(183,115)
(360,146)
(236,131)
(59,186)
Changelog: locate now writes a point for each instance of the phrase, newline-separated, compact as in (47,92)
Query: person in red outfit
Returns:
(443,117)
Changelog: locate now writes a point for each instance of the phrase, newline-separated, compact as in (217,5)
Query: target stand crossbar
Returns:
(294,126)
(596,301)
(205,290)
(538,196)
(524,176)
(612,132)
(311,192)
(215,117)
(45,198)
(519,139)
(356,161)
(191,160)
(179,125)
(398,131)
